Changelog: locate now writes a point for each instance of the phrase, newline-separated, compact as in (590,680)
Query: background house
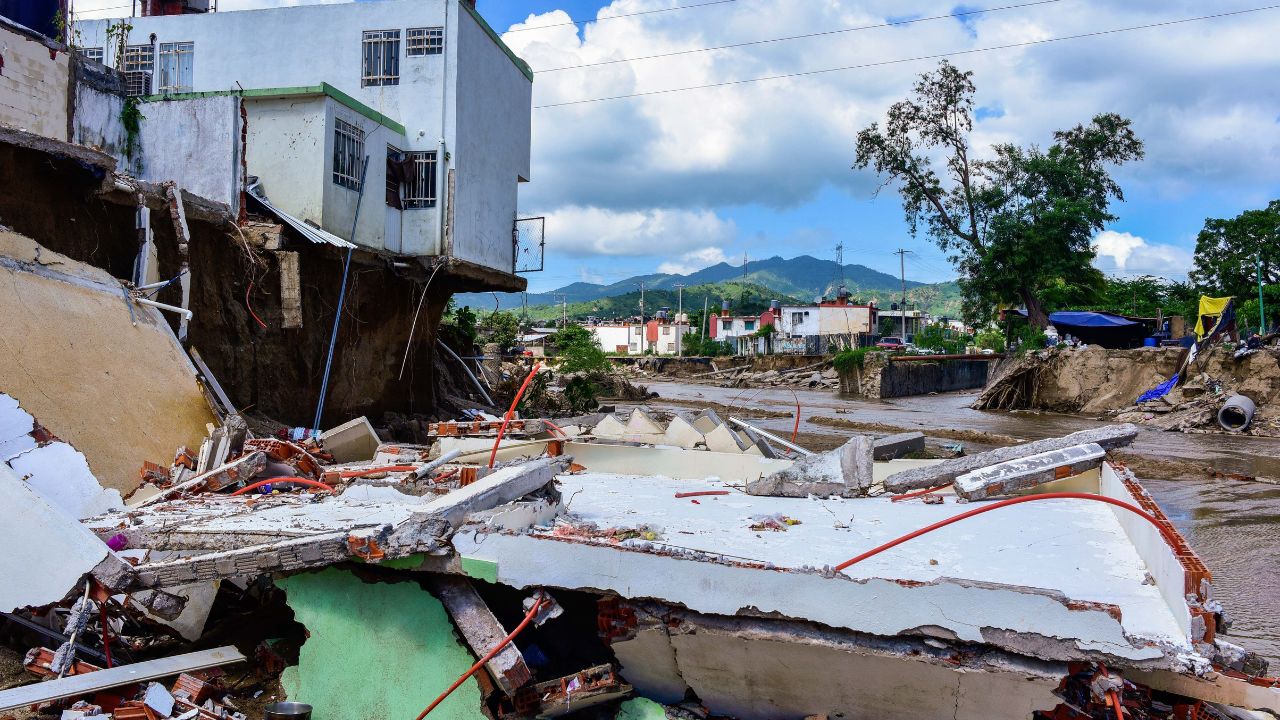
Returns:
(425,90)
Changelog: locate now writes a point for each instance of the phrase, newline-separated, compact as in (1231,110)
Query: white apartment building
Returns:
(424,89)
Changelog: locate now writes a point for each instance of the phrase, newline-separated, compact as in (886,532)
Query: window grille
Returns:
(139,63)
(395,176)
(381,50)
(424,41)
(93,53)
(420,184)
(348,149)
(175,67)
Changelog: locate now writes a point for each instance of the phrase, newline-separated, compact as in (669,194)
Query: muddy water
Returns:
(1233,525)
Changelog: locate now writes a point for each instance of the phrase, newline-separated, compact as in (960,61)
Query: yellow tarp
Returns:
(1211,307)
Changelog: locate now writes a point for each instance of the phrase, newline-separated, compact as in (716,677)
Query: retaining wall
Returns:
(880,377)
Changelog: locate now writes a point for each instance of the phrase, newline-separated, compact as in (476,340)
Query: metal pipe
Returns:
(770,436)
(466,369)
(171,308)
(422,471)
(1237,413)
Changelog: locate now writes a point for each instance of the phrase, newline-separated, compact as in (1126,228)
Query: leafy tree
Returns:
(502,328)
(990,339)
(1227,252)
(700,345)
(1013,223)
(940,337)
(887,326)
(459,326)
(579,351)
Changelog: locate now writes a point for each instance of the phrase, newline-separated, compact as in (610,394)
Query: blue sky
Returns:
(1197,94)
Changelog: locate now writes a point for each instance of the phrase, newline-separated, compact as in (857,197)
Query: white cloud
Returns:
(1122,253)
(693,261)
(635,233)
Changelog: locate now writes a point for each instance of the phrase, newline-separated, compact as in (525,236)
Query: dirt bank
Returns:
(1106,383)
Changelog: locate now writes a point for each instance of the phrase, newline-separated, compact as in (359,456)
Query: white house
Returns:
(423,89)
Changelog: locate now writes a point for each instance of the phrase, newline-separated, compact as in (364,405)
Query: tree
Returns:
(1013,223)
(1227,252)
(579,350)
(502,328)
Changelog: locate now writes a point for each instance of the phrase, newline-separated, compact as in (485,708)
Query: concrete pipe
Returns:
(1237,413)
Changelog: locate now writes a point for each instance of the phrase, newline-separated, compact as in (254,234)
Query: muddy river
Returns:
(1233,524)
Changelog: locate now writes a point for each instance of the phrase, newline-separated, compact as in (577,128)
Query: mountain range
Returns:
(803,277)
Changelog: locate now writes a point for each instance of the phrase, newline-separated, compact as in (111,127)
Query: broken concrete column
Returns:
(845,471)
(290,289)
(1108,437)
(895,446)
(1009,477)
(482,631)
(352,441)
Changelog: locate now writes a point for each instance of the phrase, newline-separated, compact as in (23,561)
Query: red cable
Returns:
(1112,694)
(106,632)
(250,307)
(1165,533)
(795,431)
(528,618)
(507,418)
(260,483)
(918,493)
(700,493)
(556,427)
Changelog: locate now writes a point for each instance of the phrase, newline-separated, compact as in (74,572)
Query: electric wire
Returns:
(824,33)
(917,58)
(624,15)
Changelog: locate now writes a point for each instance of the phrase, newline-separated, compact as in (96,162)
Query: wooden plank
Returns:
(77,685)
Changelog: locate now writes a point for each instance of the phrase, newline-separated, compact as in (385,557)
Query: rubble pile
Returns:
(813,376)
(1107,383)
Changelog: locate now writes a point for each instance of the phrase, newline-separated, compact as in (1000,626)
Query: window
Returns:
(139,62)
(381,58)
(175,67)
(420,182)
(666,329)
(93,53)
(671,347)
(424,41)
(348,153)
(394,176)
(728,324)
(748,324)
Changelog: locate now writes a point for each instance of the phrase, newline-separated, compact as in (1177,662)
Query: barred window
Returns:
(395,156)
(93,53)
(420,185)
(348,151)
(175,66)
(424,41)
(381,58)
(138,64)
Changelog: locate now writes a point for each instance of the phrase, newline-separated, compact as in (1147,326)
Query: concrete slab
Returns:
(895,446)
(681,433)
(847,471)
(995,579)
(1025,473)
(352,441)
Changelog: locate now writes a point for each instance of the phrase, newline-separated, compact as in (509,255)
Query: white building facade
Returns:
(424,89)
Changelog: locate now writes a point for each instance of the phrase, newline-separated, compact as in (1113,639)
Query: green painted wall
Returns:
(376,650)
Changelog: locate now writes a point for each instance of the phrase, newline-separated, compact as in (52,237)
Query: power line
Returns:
(935,56)
(625,15)
(824,33)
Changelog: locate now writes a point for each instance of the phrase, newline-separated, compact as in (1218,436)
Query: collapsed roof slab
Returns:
(785,669)
(224,537)
(108,376)
(1073,593)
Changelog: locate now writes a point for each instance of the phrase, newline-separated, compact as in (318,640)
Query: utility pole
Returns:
(641,303)
(1262,318)
(840,266)
(742,289)
(902,269)
(679,312)
(564,309)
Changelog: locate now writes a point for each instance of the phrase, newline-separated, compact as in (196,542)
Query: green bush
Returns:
(990,340)
(502,328)
(699,345)
(1029,337)
(578,350)
(939,337)
(846,360)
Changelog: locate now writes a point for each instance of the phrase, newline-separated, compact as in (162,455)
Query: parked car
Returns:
(891,342)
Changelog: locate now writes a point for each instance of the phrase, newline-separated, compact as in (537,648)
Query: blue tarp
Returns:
(1082,318)
(1159,390)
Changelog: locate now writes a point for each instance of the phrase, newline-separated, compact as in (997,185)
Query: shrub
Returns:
(990,340)
(846,360)
(578,350)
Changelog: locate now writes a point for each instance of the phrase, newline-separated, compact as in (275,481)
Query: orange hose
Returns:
(528,618)
(1112,694)
(556,427)
(507,418)
(1005,503)
(260,483)
(918,493)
